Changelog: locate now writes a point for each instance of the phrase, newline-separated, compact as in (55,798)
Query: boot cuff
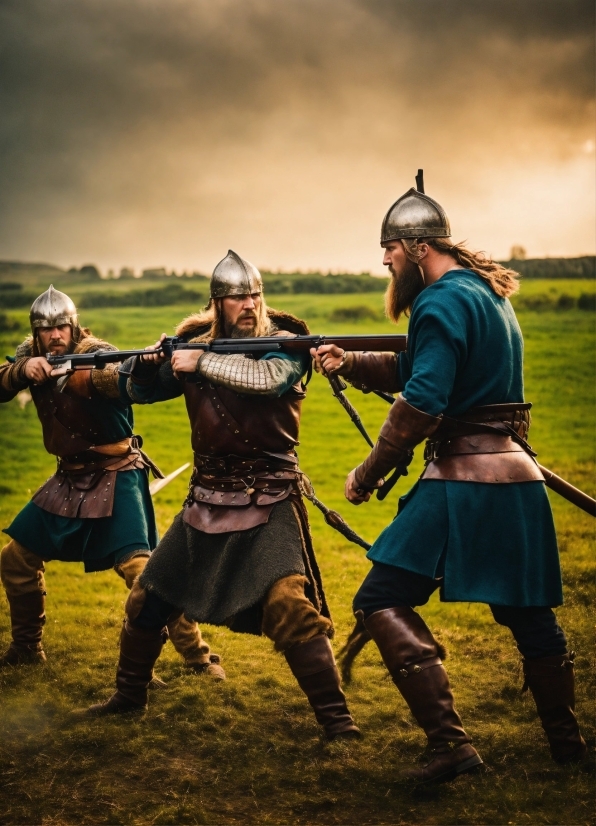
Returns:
(310,657)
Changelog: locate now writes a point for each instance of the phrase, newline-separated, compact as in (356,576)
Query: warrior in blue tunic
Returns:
(97,508)
(477,525)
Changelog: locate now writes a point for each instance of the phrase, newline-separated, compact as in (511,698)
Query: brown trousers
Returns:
(22,572)
(289,617)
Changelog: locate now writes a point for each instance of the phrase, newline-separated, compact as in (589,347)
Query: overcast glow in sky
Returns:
(162,132)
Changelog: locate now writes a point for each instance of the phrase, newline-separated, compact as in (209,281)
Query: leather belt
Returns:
(472,443)
(232,493)
(123,455)
(485,445)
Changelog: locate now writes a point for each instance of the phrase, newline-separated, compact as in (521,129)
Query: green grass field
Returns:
(249,750)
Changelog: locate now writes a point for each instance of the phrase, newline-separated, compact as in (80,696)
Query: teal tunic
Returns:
(98,543)
(488,542)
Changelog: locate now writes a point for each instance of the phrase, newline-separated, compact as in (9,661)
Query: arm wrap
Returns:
(371,371)
(271,377)
(404,428)
(12,379)
(105,381)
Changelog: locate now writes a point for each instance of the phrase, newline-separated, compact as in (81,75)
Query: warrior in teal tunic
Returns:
(465,350)
(477,525)
(97,507)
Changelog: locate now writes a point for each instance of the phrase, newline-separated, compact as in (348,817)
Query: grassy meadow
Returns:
(249,750)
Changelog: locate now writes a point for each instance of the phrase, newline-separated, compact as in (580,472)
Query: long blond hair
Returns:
(212,318)
(502,281)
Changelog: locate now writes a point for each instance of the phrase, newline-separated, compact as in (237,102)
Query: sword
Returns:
(568,491)
(157,484)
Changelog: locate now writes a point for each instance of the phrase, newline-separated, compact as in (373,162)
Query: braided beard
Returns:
(402,291)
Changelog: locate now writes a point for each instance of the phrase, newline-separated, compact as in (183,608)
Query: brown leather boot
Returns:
(313,665)
(27,616)
(139,650)
(552,683)
(411,655)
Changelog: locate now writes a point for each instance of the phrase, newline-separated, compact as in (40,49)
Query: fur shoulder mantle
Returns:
(288,322)
(199,323)
(194,325)
(90,344)
(25,349)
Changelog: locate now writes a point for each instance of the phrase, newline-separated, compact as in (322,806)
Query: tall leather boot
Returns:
(139,650)
(411,655)
(313,665)
(552,683)
(27,616)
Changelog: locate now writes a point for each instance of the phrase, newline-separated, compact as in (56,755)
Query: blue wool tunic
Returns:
(491,543)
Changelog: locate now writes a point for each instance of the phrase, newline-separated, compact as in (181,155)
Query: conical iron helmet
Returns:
(53,309)
(415,215)
(235,276)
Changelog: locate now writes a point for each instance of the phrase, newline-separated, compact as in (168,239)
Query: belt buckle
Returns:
(431,451)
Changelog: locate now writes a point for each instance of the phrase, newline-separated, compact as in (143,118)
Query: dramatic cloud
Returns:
(148,132)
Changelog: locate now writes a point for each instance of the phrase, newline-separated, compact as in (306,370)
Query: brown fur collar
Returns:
(193,323)
(90,343)
(199,323)
(25,350)
(289,322)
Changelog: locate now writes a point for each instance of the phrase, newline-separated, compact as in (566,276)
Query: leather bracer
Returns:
(371,371)
(404,428)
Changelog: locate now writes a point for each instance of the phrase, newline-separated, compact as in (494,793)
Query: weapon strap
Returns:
(332,518)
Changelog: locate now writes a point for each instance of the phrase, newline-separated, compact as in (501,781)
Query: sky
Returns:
(149,133)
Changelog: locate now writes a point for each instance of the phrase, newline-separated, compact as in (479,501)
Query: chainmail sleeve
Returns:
(267,376)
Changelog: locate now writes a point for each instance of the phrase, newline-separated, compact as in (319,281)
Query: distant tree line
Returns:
(153,297)
(14,297)
(176,290)
(541,301)
(279,283)
(583,267)
(295,282)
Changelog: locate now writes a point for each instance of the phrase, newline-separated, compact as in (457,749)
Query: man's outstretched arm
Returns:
(364,370)
(268,376)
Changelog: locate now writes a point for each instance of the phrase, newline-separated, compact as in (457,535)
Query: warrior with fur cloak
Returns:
(239,553)
(96,508)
